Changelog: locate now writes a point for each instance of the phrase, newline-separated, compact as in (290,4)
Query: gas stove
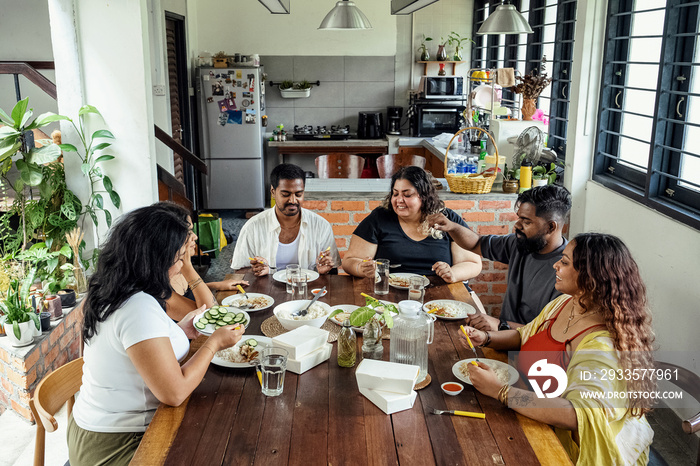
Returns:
(307,132)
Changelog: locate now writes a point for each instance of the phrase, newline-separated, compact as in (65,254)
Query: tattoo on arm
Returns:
(521,398)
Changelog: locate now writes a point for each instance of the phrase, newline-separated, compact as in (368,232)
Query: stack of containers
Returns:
(307,346)
(388,385)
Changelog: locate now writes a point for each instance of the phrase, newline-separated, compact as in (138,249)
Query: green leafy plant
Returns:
(15,307)
(285,85)
(45,264)
(456,40)
(423,49)
(542,172)
(362,315)
(302,85)
(509,174)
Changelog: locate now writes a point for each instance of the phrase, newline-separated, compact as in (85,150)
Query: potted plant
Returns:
(456,40)
(510,182)
(18,316)
(423,49)
(220,59)
(543,175)
(441,54)
(292,90)
(531,86)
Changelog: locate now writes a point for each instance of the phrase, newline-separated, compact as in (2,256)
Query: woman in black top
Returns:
(398,231)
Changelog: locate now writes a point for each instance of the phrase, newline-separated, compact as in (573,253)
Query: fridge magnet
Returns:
(217,88)
(251,82)
(210,100)
(239,74)
(245,102)
(223,118)
(238,84)
(223,105)
(231,103)
(205,77)
(250,118)
(211,73)
(228,80)
(234,117)
(247,95)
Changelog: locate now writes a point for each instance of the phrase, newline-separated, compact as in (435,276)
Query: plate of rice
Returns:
(504,372)
(257,301)
(448,309)
(402,280)
(243,354)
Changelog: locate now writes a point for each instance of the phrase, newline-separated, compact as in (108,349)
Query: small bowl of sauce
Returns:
(316,291)
(452,388)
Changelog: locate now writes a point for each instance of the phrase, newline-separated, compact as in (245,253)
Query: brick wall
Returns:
(21,369)
(483,216)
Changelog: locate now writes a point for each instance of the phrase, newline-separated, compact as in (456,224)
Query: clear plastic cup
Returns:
(381,279)
(273,364)
(291,270)
(416,289)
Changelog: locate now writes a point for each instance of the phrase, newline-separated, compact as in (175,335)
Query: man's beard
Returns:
(288,213)
(529,245)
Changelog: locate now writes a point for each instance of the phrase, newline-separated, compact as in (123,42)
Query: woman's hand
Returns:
(366,267)
(260,266)
(484,379)
(227,285)
(225,337)
(186,323)
(444,271)
(477,337)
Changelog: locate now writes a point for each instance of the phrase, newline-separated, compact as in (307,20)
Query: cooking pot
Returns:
(370,125)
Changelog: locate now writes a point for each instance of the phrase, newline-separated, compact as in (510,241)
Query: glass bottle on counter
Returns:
(347,346)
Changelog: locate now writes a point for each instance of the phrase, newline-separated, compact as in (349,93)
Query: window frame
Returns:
(657,186)
(559,66)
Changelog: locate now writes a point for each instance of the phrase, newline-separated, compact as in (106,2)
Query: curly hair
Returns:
(551,202)
(419,178)
(610,281)
(136,258)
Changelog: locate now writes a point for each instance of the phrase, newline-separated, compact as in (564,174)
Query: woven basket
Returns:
(474,183)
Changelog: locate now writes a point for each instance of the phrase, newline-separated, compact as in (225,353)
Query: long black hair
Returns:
(140,250)
(419,178)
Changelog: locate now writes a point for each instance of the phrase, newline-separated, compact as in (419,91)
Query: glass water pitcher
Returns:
(410,336)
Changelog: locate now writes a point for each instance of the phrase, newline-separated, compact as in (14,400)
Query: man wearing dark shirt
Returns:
(530,252)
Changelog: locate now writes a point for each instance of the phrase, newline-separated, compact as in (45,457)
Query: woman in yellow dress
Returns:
(596,333)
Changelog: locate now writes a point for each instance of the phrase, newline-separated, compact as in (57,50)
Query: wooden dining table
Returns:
(321,417)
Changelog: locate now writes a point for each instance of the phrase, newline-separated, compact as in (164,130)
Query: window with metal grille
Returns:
(553,23)
(648,141)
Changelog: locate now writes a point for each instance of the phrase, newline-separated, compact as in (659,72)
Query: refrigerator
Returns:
(232,106)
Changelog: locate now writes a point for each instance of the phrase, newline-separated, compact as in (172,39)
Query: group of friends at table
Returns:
(582,300)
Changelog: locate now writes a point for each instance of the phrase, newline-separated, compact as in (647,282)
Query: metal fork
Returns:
(245,296)
(459,413)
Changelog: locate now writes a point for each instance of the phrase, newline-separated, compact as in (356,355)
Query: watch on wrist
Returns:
(503,325)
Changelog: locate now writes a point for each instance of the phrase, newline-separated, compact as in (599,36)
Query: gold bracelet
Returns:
(194,284)
(503,394)
(212,351)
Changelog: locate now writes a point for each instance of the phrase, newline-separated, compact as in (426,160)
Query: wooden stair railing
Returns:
(29,71)
(188,156)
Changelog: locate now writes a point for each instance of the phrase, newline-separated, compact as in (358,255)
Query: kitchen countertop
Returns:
(330,143)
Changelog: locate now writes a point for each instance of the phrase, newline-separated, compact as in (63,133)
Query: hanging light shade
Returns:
(276,7)
(345,15)
(505,20)
(406,7)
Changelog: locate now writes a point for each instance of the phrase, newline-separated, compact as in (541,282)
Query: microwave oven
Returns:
(442,87)
(433,119)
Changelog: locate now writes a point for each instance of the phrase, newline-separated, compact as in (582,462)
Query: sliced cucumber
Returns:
(227,318)
(207,315)
(200,325)
(214,312)
(251,342)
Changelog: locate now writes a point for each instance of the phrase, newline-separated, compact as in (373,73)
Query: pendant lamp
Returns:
(276,7)
(505,20)
(345,15)
(406,7)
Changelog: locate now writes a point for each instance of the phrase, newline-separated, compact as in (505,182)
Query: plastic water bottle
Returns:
(410,337)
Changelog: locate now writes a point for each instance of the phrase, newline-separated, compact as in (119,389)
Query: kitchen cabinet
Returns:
(432,163)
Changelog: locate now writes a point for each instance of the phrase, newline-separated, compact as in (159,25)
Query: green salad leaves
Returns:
(373,306)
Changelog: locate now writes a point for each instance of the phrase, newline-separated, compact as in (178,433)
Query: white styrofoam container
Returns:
(389,402)
(386,376)
(301,341)
(311,360)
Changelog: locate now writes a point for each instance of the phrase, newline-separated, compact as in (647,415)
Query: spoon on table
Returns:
(305,311)
(245,296)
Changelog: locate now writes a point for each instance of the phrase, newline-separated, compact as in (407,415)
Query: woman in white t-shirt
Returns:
(132,348)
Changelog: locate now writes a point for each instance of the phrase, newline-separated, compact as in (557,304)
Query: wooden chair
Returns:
(689,382)
(57,388)
(339,165)
(389,164)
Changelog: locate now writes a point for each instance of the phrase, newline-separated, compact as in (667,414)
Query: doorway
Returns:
(176,49)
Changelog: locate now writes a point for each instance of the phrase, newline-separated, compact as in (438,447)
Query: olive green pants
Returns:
(87,448)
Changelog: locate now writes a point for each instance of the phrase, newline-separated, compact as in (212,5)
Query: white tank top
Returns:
(287,254)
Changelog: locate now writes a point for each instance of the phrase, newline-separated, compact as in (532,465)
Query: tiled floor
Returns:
(18,441)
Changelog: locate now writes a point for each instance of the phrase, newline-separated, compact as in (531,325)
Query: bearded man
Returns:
(530,252)
(287,233)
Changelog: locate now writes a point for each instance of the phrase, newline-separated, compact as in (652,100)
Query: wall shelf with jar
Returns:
(426,63)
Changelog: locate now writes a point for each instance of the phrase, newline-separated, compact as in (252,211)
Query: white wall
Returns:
(668,252)
(247,27)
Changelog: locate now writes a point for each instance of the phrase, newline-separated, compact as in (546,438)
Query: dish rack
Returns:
(474,183)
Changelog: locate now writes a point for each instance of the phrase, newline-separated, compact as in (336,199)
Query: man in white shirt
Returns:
(287,233)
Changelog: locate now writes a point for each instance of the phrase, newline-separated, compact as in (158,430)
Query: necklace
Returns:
(293,226)
(569,322)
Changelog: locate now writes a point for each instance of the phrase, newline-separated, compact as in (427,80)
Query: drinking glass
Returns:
(381,279)
(291,270)
(273,364)
(416,289)
(299,286)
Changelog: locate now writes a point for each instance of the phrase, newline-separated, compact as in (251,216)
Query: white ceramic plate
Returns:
(346,308)
(209,328)
(512,372)
(281,275)
(233,300)
(263,342)
(406,276)
(464,308)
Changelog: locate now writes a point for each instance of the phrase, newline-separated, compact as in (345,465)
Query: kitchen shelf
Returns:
(426,63)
